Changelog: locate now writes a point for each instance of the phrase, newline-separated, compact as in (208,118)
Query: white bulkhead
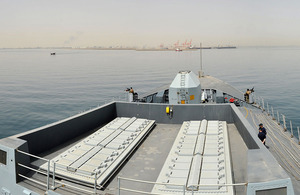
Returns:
(185,89)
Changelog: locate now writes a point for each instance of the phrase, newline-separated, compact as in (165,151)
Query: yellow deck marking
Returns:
(247,112)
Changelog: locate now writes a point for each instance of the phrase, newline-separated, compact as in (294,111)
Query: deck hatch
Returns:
(199,156)
(102,152)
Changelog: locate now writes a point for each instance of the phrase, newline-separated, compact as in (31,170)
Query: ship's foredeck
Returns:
(252,165)
(148,160)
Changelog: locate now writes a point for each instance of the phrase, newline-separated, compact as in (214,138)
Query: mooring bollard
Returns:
(292,134)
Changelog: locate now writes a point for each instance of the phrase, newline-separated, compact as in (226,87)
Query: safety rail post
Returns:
(292,133)
(272,113)
(257,101)
(95,185)
(119,185)
(48,174)
(53,176)
(263,103)
(268,111)
(298,136)
(284,123)
(278,119)
(183,189)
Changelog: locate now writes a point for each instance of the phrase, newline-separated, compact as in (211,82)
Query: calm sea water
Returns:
(37,89)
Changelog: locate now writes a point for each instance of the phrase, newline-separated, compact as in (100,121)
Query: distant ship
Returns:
(226,47)
(219,47)
(193,47)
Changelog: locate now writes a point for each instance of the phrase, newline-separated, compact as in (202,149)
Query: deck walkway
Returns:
(279,142)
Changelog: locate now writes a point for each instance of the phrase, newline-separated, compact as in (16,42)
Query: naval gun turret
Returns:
(185,89)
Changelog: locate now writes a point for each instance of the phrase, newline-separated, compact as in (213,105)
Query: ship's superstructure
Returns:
(185,89)
(168,142)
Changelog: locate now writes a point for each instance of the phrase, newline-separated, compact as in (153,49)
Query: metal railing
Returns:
(48,173)
(90,175)
(280,120)
(184,190)
(35,170)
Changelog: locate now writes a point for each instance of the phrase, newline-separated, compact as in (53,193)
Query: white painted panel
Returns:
(194,173)
(103,151)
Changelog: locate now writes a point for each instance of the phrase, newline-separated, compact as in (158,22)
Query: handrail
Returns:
(48,170)
(199,185)
(77,188)
(33,180)
(32,169)
(32,155)
(94,175)
(138,191)
(284,125)
(149,182)
(169,184)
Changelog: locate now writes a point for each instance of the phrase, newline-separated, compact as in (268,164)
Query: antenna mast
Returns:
(201,68)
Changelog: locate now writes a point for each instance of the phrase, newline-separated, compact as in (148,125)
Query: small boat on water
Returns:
(178,49)
(53,53)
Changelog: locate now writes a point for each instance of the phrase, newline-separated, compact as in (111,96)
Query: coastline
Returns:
(129,48)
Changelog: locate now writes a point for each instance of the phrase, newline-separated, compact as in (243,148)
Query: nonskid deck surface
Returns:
(99,155)
(279,142)
(199,156)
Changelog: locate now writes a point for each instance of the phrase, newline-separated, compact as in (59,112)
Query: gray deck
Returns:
(209,82)
(149,158)
(238,150)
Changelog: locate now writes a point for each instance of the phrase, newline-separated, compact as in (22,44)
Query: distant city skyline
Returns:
(141,23)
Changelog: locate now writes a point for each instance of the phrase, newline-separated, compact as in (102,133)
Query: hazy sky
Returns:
(47,23)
